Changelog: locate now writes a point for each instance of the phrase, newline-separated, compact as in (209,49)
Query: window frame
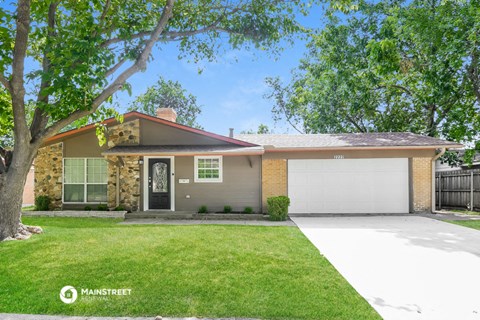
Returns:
(85,182)
(208,180)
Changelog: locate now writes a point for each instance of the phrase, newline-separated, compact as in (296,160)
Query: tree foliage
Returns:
(169,94)
(391,66)
(262,129)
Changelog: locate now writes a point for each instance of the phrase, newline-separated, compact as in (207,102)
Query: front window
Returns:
(85,180)
(208,169)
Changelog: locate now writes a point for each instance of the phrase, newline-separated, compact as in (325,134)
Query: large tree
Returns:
(391,66)
(171,94)
(67,58)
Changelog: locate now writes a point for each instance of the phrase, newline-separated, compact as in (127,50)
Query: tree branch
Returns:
(40,120)
(139,65)
(405,89)
(18,68)
(102,17)
(113,69)
(169,35)
(474,76)
(5,83)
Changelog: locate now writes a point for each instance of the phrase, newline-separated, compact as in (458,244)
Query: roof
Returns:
(184,150)
(138,115)
(347,140)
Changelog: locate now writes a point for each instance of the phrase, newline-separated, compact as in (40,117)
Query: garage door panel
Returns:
(348,185)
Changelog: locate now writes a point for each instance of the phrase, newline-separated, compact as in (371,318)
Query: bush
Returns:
(42,203)
(102,207)
(278,208)
(119,208)
(87,208)
(227,209)
(203,209)
(248,210)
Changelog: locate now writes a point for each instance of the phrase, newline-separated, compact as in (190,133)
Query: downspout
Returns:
(434,160)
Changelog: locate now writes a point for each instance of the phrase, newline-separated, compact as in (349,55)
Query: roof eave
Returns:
(140,115)
(308,149)
(179,154)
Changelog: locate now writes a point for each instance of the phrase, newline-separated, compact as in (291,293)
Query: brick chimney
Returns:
(167,114)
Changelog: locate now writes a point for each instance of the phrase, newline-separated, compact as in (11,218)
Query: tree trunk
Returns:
(12,183)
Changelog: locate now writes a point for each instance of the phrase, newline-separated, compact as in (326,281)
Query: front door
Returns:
(159,189)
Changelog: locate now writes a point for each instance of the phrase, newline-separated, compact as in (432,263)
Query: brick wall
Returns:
(48,174)
(274,179)
(422,184)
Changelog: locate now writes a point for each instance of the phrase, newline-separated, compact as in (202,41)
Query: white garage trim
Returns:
(377,185)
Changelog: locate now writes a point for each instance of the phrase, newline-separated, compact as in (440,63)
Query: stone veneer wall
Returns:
(274,179)
(48,174)
(422,184)
(129,182)
(127,133)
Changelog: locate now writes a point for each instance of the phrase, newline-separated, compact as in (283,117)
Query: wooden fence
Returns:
(458,189)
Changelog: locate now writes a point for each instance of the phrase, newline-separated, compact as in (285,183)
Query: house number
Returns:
(338,156)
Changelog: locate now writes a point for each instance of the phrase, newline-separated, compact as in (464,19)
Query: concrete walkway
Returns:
(406,267)
(265,223)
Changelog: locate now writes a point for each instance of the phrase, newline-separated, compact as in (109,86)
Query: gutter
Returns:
(434,160)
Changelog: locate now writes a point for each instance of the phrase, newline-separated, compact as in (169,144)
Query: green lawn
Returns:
(196,270)
(472,213)
(474,224)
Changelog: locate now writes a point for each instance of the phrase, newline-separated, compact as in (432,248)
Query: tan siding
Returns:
(83,146)
(159,134)
(240,187)
(422,184)
(274,179)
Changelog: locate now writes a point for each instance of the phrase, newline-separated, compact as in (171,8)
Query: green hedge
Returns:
(277,208)
(42,203)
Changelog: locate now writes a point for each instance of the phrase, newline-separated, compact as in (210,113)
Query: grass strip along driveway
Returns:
(474,224)
(199,270)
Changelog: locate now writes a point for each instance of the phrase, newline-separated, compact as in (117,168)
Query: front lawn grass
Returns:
(194,270)
(474,224)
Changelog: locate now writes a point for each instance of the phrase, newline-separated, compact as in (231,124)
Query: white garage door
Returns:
(348,186)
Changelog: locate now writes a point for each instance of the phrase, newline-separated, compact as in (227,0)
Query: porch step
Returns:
(170,215)
(190,215)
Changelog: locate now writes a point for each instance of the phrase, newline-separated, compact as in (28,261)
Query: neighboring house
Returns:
(154,163)
(28,190)
(444,167)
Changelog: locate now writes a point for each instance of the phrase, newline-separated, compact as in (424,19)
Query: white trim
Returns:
(208,180)
(145,181)
(85,183)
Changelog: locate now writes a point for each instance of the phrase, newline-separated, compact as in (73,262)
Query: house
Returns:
(28,198)
(154,163)
(445,167)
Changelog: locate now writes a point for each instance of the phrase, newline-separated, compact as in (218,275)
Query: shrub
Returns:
(42,203)
(102,207)
(203,209)
(227,209)
(278,208)
(87,208)
(248,210)
(119,208)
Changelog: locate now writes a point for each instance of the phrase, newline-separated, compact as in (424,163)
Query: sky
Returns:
(229,90)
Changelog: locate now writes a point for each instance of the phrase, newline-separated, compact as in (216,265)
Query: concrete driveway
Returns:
(406,267)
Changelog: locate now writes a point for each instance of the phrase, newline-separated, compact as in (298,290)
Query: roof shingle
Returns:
(377,139)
